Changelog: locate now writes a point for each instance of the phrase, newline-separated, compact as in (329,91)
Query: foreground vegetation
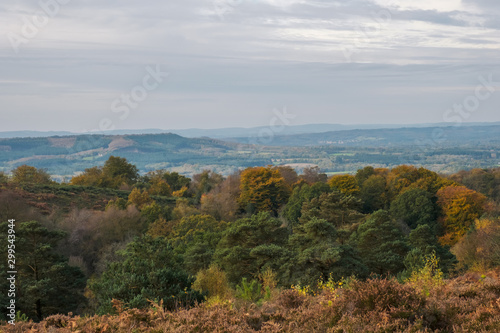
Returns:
(402,249)
(470,303)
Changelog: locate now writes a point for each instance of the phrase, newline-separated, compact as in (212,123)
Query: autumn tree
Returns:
(153,212)
(485,181)
(115,173)
(91,233)
(91,177)
(26,174)
(460,206)
(160,188)
(313,175)
(161,182)
(139,198)
(404,177)
(346,184)
(289,174)
(222,201)
(204,182)
(263,189)
(479,249)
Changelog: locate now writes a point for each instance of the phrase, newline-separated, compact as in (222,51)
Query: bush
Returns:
(249,291)
(213,281)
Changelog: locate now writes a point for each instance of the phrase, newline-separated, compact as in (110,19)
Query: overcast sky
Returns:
(69,65)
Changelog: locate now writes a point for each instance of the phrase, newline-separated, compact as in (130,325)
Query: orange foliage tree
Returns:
(263,189)
(460,207)
(404,177)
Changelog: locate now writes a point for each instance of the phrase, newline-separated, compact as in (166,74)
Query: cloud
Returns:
(232,61)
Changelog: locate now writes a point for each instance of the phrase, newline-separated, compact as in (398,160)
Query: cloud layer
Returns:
(230,62)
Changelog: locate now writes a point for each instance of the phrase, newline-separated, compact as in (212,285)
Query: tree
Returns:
(26,174)
(118,168)
(373,193)
(313,175)
(222,201)
(115,173)
(338,209)
(404,177)
(204,182)
(92,233)
(149,269)
(160,187)
(289,174)
(485,181)
(317,253)
(3,178)
(139,198)
(176,181)
(414,207)
(460,207)
(45,283)
(424,243)
(250,245)
(301,194)
(196,229)
(154,212)
(381,244)
(346,184)
(91,177)
(263,189)
(363,174)
(479,249)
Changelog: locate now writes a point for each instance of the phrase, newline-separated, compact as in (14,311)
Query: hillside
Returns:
(425,137)
(440,149)
(69,154)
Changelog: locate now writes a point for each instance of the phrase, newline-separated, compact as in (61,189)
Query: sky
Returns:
(89,65)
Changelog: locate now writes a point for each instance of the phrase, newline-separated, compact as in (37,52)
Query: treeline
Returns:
(183,240)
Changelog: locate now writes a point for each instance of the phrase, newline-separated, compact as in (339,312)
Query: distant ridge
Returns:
(238,132)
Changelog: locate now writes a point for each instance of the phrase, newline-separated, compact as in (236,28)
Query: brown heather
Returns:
(470,303)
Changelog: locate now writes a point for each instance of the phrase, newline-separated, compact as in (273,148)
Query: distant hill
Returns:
(391,137)
(442,149)
(238,132)
(65,155)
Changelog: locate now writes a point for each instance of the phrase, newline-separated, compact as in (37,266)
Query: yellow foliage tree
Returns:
(460,207)
(346,184)
(139,198)
(263,189)
(160,187)
(28,174)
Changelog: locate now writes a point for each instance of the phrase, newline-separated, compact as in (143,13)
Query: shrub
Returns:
(249,291)
(213,281)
